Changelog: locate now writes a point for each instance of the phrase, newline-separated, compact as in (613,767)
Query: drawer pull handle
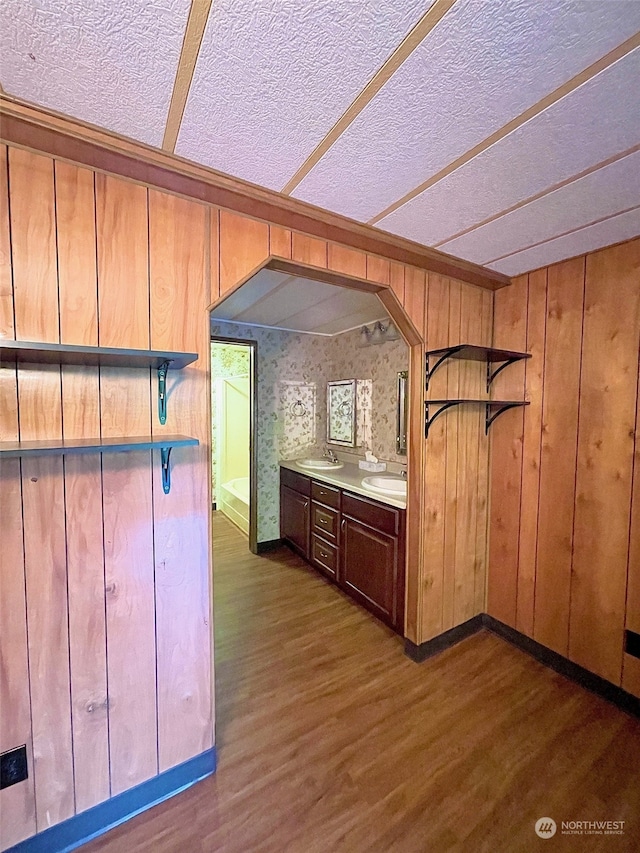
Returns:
(323,555)
(323,521)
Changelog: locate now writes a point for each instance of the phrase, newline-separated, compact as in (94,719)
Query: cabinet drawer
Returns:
(324,521)
(324,555)
(383,518)
(297,482)
(325,494)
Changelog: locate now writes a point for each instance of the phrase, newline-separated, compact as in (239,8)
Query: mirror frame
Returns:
(340,383)
(402,413)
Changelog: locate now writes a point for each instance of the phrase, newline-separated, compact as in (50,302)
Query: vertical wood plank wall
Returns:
(105,581)
(565,520)
(105,668)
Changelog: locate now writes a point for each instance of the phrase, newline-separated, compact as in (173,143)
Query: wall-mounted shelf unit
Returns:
(122,444)
(493,408)
(15,353)
(32,352)
(469,352)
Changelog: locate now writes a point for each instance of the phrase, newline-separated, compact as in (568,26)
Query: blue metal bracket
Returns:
(162,392)
(165,454)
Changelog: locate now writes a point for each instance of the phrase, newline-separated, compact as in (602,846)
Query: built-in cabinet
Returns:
(356,542)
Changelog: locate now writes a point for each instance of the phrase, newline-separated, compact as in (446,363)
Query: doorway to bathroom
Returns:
(233,469)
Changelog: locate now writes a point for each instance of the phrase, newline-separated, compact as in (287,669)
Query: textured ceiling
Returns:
(283,301)
(503,132)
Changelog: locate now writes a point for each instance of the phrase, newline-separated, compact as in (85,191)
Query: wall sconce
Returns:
(379,333)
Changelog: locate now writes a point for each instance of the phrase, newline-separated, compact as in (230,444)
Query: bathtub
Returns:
(233,501)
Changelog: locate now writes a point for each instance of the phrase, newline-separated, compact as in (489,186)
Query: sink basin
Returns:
(394,487)
(318,464)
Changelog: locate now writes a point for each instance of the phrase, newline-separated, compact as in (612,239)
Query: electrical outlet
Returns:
(13,766)
(632,644)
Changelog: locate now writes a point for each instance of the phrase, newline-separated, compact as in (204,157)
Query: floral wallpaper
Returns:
(376,399)
(227,360)
(293,370)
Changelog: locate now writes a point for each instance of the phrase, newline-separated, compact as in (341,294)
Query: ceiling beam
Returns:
(537,196)
(45,131)
(196,23)
(406,47)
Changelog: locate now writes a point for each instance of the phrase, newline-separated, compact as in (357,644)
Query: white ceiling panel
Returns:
(597,121)
(299,305)
(615,230)
(603,193)
(109,62)
(274,76)
(482,65)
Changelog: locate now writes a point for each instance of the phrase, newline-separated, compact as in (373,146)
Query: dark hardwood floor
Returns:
(330,740)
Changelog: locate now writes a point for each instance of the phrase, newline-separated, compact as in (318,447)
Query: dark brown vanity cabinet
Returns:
(295,497)
(356,542)
(372,550)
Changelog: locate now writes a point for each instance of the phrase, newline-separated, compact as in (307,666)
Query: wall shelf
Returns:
(469,352)
(14,353)
(493,408)
(33,352)
(122,444)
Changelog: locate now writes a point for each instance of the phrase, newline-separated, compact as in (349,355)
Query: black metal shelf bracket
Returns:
(442,408)
(431,370)
(162,392)
(503,407)
(165,455)
(491,374)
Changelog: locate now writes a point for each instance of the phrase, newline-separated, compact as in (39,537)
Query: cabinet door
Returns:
(370,568)
(294,519)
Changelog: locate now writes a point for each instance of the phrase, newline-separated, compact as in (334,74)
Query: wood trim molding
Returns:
(532,111)
(196,23)
(55,135)
(404,50)
(575,230)
(545,192)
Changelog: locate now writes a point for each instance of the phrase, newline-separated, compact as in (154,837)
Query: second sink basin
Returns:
(318,464)
(394,487)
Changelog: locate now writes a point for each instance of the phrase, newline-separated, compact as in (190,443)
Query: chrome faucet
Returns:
(331,456)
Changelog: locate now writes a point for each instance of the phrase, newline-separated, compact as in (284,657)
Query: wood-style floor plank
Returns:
(330,739)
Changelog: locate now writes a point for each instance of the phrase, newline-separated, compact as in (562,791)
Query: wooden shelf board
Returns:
(93,445)
(471,352)
(30,352)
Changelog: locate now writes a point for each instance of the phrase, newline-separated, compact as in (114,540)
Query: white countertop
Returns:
(348,477)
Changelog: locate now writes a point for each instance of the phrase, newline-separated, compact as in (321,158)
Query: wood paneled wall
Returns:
(104,580)
(105,668)
(565,516)
(448,474)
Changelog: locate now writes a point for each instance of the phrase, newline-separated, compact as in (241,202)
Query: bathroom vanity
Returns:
(353,538)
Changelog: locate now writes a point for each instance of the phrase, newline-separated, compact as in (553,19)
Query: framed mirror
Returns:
(401,414)
(341,412)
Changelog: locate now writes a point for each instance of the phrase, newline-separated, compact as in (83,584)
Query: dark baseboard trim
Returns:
(81,828)
(421,652)
(600,686)
(269,545)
